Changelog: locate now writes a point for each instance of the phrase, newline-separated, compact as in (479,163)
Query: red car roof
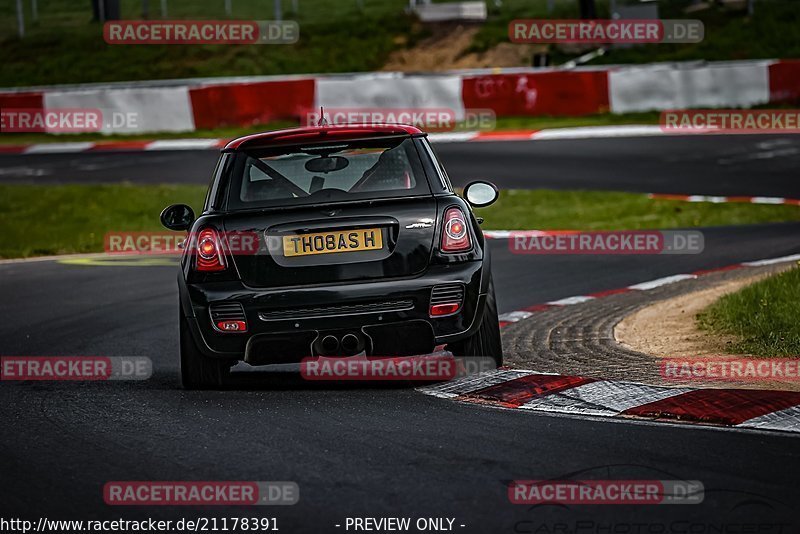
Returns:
(312,134)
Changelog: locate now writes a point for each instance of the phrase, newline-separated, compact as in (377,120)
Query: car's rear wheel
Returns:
(486,341)
(198,371)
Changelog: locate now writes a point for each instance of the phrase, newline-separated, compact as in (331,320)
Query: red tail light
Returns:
(437,310)
(210,256)
(232,326)
(455,237)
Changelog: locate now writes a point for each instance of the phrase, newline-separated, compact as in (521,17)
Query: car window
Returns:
(211,195)
(327,173)
(443,176)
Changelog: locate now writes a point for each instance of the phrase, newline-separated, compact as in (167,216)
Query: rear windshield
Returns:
(337,172)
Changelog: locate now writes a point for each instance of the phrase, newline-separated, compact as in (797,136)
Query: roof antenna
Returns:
(322,120)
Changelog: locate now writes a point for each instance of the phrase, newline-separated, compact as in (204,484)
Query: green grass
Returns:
(544,209)
(495,30)
(763,316)
(221,133)
(600,119)
(771,33)
(503,123)
(729,35)
(65,46)
(63,219)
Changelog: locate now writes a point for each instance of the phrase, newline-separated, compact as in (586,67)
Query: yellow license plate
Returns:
(330,242)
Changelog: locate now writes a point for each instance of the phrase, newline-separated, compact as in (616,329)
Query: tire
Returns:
(198,371)
(486,341)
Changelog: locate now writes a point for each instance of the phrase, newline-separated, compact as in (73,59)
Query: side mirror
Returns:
(177,217)
(481,194)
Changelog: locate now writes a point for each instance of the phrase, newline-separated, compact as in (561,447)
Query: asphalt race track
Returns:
(754,165)
(380,451)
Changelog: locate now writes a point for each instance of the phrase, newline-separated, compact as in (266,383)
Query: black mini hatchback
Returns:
(332,241)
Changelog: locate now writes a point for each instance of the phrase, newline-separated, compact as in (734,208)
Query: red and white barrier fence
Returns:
(189,105)
(708,85)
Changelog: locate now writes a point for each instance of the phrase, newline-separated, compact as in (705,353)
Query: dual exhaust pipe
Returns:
(348,345)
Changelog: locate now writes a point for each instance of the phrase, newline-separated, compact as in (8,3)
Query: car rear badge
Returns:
(422,223)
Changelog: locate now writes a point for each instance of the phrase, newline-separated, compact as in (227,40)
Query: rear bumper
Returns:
(286,322)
